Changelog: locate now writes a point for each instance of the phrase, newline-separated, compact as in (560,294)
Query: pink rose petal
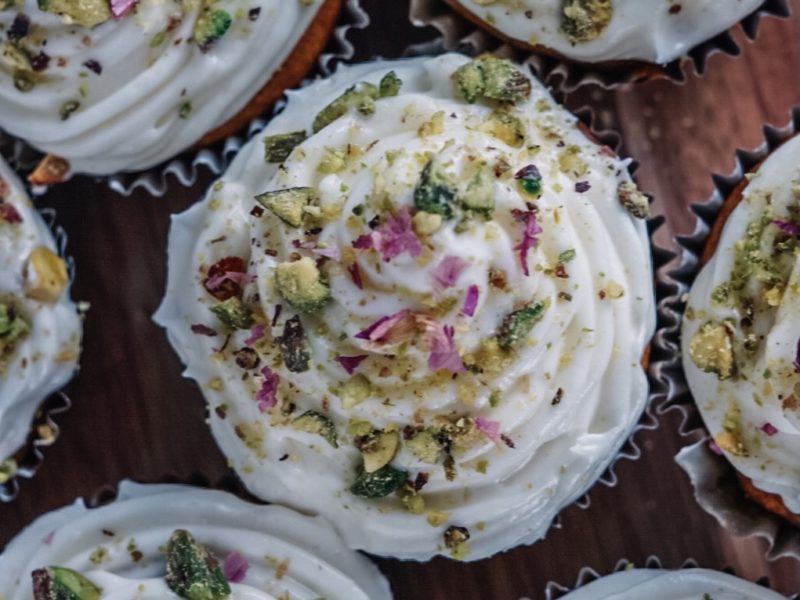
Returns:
(256,333)
(392,238)
(267,396)
(350,363)
(769,429)
(491,429)
(120,8)
(355,275)
(444,354)
(447,272)
(234,567)
(471,300)
(712,445)
(529,239)
(393,329)
(787,227)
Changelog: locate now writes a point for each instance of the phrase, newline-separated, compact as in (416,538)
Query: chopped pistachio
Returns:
(59,583)
(479,193)
(293,345)
(86,13)
(192,571)
(634,201)
(234,313)
(506,127)
(586,20)
(355,390)
(425,445)
(390,85)
(379,449)
(492,78)
(379,484)
(360,96)
(519,323)
(711,349)
(435,191)
(211,24)
(46,275)
(277,148)
(289,205)
(300,283)
(313,422)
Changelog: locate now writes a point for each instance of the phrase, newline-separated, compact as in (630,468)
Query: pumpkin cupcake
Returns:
(418,306)
(741,333)
(103,86)
(40,329)
(173,541)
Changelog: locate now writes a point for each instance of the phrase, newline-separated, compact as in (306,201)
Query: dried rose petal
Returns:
(393,329)
(219,282)
(363,242)
(471,301)
(355,274)
(234,567)
(256,333)
(769,429)
(444,354)
(787,227)
(529,239)
(267,396)
(392,238)
(447,272)
(9,214)
(333,253)
(491,429)
(712,445)
(120,8)
(201,329)
(350,363)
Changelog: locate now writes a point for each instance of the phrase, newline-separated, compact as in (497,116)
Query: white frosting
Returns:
(130,115)
(684,584)
(47,358)
(590,348)
(765,381)
(289,555)
(639,29)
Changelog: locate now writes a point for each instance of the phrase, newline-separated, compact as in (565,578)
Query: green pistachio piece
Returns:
(86,13)
(355,390)
(519,323)
(13,329)
(300,283)
(711,349)
(585,20)
(277,148)
(289,205)
(192,571)
(492,78)
(294,348)
(379,449)
(234,313)
(379,484)
(435,191)
(390,85)
(58,583)
(506,127)
(479,193)
(425,445)
(313,422)
(361,97)
(211,25)
(16,57)
(634,201)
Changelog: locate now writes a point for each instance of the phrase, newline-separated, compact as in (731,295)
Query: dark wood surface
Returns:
(135,416)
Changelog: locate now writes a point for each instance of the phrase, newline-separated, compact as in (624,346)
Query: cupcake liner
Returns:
(457,33)
(713,477)
(44,430)
(187,167)
(588,575)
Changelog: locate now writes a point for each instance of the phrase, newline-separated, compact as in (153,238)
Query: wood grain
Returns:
(135,416)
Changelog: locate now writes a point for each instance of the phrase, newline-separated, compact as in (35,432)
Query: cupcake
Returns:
(661,584)
(741,333)
(40,329)
(173,541)
(417,305)
(103,86)
(615,33)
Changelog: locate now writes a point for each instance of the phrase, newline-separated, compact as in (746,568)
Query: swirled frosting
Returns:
(657,31)
(742,329)
(684,584)
(118,547)
(488,347)
(136,90)
(40,330)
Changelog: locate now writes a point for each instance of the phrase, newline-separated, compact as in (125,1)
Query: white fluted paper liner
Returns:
(459,34)
(713,477)
(587,575)
(44,430)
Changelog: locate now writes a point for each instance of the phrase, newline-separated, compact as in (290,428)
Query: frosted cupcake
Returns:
(40,330)
(658,584)
(607,31)
(172,541)
(741,333)
(418,305)
(104,86)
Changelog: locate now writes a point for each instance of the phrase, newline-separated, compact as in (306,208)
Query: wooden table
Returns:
(135,416)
